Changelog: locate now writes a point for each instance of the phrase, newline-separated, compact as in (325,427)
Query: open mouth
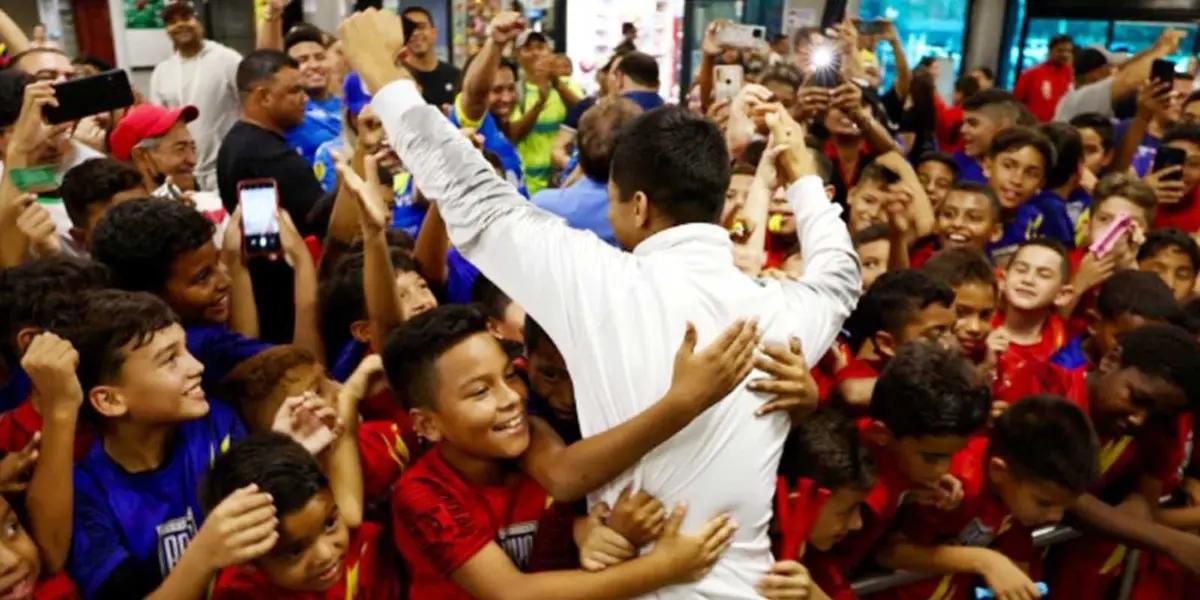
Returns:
(331,574)
(512,425)
(957,238)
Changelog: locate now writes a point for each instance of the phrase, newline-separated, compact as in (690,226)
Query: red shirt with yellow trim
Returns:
(440,521)
(982,520)
(370,574)
(385,454)
(1023,369)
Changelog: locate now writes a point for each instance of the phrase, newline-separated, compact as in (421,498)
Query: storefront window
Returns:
(927,28)
(1133,36)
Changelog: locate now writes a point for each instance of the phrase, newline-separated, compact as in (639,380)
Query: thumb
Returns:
(689,340)
(675,521)
(794,343)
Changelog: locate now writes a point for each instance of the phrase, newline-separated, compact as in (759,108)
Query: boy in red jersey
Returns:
(320,553)
(969,274)
(1040,456)
(1035,287)
(926,404)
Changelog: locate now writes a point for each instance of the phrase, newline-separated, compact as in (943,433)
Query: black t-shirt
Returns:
(251,152)
(440,85)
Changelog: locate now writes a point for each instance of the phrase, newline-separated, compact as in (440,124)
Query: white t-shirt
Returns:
(1094,97)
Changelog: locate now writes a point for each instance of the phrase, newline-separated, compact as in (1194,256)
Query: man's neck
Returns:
(479,471)
(1157,127)
(138,447)
(640,88)
(1025,326)
(261,123)
(320,93)
(425,63)
(190,50)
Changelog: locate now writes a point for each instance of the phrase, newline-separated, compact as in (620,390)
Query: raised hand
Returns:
(17,467)
(37,225)
(373,208)
(373,44)
(51,361)
(31,129)
(506,26)
(689,558)
(791,384)
(292,243)
(1167,185)
(241,528)
(310,421)
(637,517)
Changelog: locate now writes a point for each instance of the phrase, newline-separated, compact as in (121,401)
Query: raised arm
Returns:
(269,33)
(570,472)
(478,81)
(903,73)
(1136,71)
(11,34)
(306,334)
(29,131)
(433,247)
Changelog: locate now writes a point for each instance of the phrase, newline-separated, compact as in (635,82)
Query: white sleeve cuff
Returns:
(395,99)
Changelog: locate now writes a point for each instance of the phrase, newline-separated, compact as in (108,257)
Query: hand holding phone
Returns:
(1104,244)
(1163,71)
(1167,157)
(729,80)
(86,96)
(738,35)
(259,201)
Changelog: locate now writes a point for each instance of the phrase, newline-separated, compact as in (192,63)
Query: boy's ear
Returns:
(998,471)
(885,344)
(997,232)
(361,331)
(1065,295)
(641,209)
(986,164)
(1093,317)
(25,337)
(107,401)
(830,192)
(425,424)
(878,434)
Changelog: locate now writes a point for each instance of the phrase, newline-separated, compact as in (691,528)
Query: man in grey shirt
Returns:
(1099,84)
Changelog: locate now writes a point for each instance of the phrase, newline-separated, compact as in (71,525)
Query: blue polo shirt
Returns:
(584,205)
(322,122)
(969,169)
(494,141)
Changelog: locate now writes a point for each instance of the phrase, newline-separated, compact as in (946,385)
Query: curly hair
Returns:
(39,293)
(1165,351)
(930,390)
(256,379)
(139,240)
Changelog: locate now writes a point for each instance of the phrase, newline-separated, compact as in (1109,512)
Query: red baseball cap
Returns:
(145,121)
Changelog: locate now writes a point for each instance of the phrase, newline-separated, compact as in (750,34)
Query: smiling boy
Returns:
(1018,164)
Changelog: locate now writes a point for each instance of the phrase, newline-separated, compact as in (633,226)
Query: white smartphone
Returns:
(738,35)
(728,81)
(260,216)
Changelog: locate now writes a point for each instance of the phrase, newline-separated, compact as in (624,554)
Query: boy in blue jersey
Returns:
(166,248)
(138,529)
(489,95)
(984,115)
(1017,164)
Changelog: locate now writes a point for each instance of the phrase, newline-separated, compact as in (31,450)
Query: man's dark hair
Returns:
(938,157)
(598,131)
(93,61)
(1002,105)
(341,298)
(274,462)
(534,335)
(110,320)
(1138,293)
(987,72)
(967,86)
(974,187)
(627,28)
(414,348)
(1161,239)
(1165,351)
(826,448)
(892,302)
(417,10)
(95,181)
(37,294)
(678,159)
(1052,244)
(1068,153)
(785,74)
(1187,132)
(958,266)
(1016,138)
(1047,438)
(140,239)
(874,233)
(260,66)
(640,67)
(1102,125)
(928,390)
(303,33)
(489,297)
(1060,39)
(12,94)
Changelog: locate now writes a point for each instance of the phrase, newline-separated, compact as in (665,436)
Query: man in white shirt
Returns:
(617,316)
(201,73)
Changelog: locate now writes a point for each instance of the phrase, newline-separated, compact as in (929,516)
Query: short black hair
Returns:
(140,239)
(640,67)
(274,462)
(876,174)
(967,86)
(678,159)
(1053,245)
(939,157)
(1047,438)
(12,94)
(489,297)
(928,390)
(95,181)
(874,233)
(1016,138)
(826,448)
(1001,104)
(419,10)
(342,300)
(413,349)
(1138,293)
(974,187)
(303,33)
(987,72)
(599,128)
(1068,153)
(958,266)
(93,61)
(892,302)
(628,27)
(36,294)
(108,321)
(1102,125)
(1160,239)
(1188,132)
(1165,351)
(260,66)
(534,334)
(1060,39)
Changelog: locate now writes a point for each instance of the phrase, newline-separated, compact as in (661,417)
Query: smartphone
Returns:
(408,26)
(728,81)
(1169,157)
(835,11)
(260,216)
(738,35)
(1163,71)
(872,27)
(1109,238)
(86,96)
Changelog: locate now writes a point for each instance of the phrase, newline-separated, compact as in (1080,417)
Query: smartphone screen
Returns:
(260,219)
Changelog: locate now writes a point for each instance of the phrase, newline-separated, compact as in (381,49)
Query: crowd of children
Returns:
(795,352)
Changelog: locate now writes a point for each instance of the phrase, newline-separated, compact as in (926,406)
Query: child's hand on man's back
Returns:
(787,580)
(703,378)
(637,517)
(690,557)
(601,546)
